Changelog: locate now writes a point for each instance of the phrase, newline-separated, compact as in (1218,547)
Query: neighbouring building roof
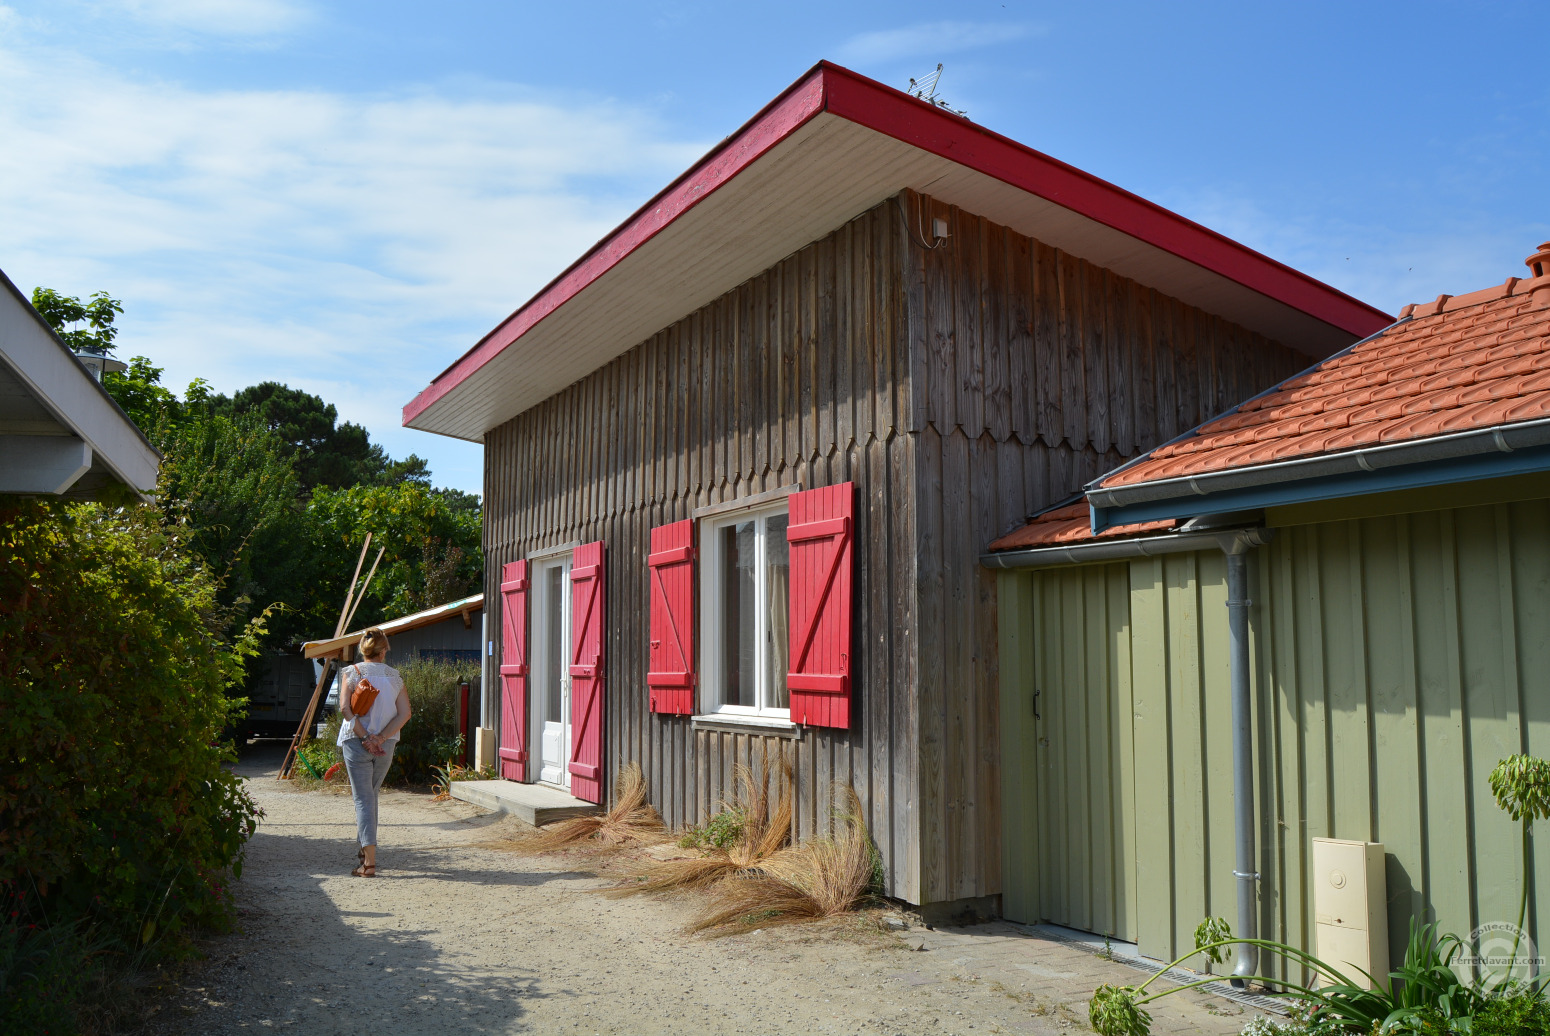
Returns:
(61,434)
(1068,524)
(1457,389)
(429,617)
(1455,364)
(829,148)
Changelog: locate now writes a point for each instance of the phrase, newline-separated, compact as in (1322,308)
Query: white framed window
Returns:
(744,591)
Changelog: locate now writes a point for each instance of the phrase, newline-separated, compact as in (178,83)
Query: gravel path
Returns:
(456,937)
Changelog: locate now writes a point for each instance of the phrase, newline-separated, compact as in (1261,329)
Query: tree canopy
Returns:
(276,495)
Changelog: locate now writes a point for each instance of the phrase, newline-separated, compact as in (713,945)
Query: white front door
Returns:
(551,633)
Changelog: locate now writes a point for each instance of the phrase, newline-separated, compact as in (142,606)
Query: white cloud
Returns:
(216,17)
(927,40)
(350,245)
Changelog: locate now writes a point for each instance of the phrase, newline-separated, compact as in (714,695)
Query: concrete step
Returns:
(538,804)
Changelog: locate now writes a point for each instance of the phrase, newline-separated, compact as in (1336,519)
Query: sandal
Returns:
(359,871)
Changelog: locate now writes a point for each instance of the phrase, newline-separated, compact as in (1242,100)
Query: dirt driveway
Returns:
(459,938)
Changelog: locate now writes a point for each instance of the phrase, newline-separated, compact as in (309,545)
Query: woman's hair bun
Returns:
(374,643)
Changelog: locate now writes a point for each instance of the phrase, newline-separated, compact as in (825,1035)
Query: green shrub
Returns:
(116,812)
(432,736)
(1521,1014)
(721,831)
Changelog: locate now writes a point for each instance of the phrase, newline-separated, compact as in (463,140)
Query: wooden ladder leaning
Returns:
(352,601)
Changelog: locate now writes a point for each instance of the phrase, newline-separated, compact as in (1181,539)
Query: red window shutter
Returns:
(513,750)
(586,672)
(821,530)
(670,674)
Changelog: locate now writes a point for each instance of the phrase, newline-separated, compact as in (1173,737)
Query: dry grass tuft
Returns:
(764,832)
(822,877)
(631,821)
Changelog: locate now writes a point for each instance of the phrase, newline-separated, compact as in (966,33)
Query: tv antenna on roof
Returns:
(925,89)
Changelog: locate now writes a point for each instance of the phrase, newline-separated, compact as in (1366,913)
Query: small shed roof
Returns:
(335,648)
(829,148)
(1458,389)
(1069,524)
(1456,364)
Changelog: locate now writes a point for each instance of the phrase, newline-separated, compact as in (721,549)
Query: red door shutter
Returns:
(586,672)
(513,750)
(670,674)
(821,529)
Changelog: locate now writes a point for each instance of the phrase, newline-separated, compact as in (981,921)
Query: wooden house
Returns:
(1390,510)
(741,458)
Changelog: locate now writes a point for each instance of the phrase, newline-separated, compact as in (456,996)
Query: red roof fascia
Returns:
(829,87)
(931,129)
(778,120)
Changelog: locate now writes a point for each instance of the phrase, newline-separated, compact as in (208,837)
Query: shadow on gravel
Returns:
(301,962)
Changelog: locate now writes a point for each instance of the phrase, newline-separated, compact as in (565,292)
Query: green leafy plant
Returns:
(1521,786)
(1209,934)
(116,811)
(1424,985)
(1117,1011)
(721,831)
(431,738)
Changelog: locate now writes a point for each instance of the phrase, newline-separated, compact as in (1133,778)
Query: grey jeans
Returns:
(366,772)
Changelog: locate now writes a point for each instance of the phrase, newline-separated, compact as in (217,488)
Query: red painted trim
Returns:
(777,121)
(828,87)
(932,129)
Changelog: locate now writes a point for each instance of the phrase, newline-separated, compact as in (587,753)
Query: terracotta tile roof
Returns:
(1069,524)
(1457,364)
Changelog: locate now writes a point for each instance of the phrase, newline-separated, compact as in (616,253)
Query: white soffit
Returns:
(62,391)
(823,175)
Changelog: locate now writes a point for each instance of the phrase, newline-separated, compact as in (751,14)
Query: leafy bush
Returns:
(721,831)
(1519,1014)
(432,736)
(115,810)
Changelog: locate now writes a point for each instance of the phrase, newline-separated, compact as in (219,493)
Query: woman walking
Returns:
(368,741)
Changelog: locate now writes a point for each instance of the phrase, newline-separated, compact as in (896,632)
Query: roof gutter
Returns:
(1183,496)
(1229,541)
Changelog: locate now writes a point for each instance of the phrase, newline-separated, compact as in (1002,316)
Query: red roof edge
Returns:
(832,88)
(776,121)
(931,129)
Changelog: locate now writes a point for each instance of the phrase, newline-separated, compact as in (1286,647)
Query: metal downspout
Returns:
(1242,754)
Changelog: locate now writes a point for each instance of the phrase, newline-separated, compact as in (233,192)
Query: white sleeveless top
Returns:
(388,684)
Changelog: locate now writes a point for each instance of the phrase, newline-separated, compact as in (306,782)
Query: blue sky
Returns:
(346,196)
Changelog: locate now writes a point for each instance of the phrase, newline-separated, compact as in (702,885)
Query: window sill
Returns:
(747,725)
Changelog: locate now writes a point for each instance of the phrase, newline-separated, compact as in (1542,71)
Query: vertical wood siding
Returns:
(794,378)
(961,388)
(1069,750)
(1031,372)
(1397,660)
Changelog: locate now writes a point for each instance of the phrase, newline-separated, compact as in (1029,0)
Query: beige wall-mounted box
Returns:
(1350,908)
(484,747)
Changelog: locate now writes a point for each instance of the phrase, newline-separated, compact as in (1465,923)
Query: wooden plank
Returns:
(1047,345)
(966,258)
(1095,358)
(914,405)
(1019,347)
(995,305)
(1073,358)
(825,347)
(941,368)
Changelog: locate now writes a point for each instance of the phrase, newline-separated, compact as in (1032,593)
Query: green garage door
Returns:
(1067,749)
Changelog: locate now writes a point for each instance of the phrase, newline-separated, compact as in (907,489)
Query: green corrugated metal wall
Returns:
(1396,660)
